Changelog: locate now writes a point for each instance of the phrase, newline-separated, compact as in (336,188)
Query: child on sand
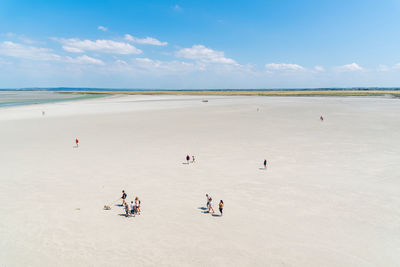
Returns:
(126,210)
(221,206)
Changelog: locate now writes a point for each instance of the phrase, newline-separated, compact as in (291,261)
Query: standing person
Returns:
(265,163)
(187,158)
(193,159)
(123,197)
(132,207)
(126,210)
(221,206)
(76,142)
(137,204)
(210,208)
(207,201)
(321,118)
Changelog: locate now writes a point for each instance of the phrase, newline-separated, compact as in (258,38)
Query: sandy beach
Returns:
(329,197)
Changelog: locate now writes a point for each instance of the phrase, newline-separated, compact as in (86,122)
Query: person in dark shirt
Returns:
(123,197)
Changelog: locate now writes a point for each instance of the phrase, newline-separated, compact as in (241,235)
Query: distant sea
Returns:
(55,89)
(29,97)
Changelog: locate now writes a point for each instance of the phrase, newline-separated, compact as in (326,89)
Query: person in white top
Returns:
(210,208)
(132,207)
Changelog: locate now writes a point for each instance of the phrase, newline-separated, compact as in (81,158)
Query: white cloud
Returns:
(166,66)
(349,67)
(85,60)
(147,40)
(396,66)
(177,8)
(19,37)
(283,67)
(102,28)
(26,40)
(205,55)
(11,49)
(319,68)
(9,34)
(147,66)
(121,62)
(106,46)
(383,68)
(4,62)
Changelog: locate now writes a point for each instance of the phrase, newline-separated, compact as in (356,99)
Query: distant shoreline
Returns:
(23,98)
(393,93)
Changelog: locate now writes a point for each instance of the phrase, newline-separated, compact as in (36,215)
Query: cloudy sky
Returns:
(199,44)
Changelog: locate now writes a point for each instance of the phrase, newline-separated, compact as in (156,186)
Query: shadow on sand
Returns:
(216,215)
(204,210)
(124,215)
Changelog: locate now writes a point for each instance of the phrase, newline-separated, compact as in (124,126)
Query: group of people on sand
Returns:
(188,159)
(209,205)
(133,208)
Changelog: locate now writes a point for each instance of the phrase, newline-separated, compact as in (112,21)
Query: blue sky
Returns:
(199,44)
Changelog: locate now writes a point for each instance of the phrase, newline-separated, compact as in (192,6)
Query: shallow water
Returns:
(16,98)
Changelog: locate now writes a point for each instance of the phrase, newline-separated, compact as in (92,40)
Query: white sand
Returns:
(330,197)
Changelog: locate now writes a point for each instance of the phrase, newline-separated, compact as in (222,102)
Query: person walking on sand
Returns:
(209,202)
(76,142)
(321,118)
(193,159)
(265,163)
(221,206)
(123,197)
(187,159)
(132,207)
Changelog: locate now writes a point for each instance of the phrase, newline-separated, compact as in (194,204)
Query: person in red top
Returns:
(187,158)
(77,142)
